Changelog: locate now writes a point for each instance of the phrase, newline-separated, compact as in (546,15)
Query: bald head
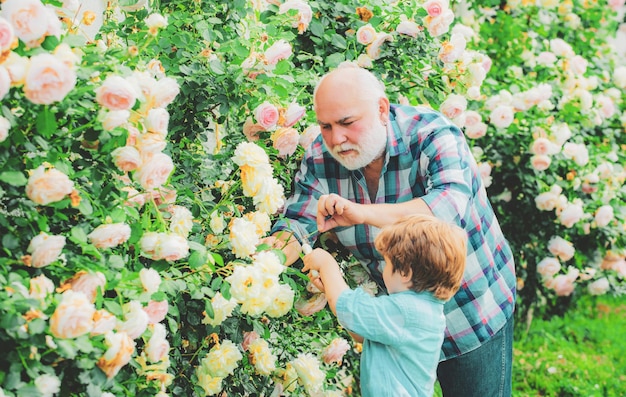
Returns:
(350,80)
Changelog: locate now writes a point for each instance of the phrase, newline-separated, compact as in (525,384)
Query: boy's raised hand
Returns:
(313,263)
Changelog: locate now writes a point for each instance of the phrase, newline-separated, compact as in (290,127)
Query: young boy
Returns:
(401,332)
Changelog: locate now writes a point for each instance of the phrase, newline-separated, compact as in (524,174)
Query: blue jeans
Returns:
(483,372)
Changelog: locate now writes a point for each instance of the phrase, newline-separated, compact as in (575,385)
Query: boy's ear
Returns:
(408,275)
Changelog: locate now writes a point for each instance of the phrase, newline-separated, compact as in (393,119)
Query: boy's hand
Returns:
(313,263)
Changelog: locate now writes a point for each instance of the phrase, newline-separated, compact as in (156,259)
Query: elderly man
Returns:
(374,163)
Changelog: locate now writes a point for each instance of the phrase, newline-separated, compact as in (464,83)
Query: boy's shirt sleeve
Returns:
(375,318)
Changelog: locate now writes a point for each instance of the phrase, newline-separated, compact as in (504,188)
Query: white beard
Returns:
(371,147)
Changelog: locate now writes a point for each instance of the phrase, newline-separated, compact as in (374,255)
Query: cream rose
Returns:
(157,310)
(409,28)
(285,140)
(48,79)
(157,347)
(334,352)
(48,186)
(120,351)
(150,280)
(157,121)
(103,322)
(45,249)
(73,317)
(604,215)
(109,235)
(135,320)
(88,283)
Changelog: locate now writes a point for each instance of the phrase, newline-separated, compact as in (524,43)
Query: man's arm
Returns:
(333,211)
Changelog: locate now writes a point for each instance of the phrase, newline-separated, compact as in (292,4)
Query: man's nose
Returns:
(338,135)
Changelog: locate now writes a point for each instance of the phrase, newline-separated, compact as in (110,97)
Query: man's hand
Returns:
(334,210)
(285,242)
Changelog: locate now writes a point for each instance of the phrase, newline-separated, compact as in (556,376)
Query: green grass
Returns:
(580,354)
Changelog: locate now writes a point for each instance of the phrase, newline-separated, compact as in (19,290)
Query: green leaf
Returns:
(197,259)
(78,234)
(46,123)
(208,308)
(13,178)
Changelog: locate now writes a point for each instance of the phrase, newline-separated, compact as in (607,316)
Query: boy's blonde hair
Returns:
(433,249)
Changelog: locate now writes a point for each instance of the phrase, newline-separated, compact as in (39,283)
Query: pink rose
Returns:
(366,34)
(157,310)
(578,65)
(248,338)
(7,35)
(172,247)
(266,115)
(304,16)
(314,304)
(48,80)
(561,248)
(103,322)
(126,158)
(114,119)
(165,91)
(540,162)
(604,215)
(373,50)
(543,146)
(440,24)
(32,21)
(285,140)
(278,51)
(5,82)
(252,130)
(434,8)
(154,171)
(571,214)
(548,267)
(453,106)
(5,126)
(157,347)
(476,131)
(309,135)
(48,186)
(116,93)
(502,116)
(562,285)
(86,283)
(334,352)
(293,114)
(150,143)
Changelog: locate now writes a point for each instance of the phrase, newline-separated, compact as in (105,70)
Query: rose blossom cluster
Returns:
(257,177)
(280,121)
(76,315)
(220,361)
(257,288)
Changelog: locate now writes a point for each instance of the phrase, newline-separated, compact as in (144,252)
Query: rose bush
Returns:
(147,146)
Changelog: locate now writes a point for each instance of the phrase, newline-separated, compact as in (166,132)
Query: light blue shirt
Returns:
(403,333)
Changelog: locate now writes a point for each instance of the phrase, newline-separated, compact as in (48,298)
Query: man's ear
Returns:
(383,109)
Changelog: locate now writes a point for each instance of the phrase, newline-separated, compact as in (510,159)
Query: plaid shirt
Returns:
(426,157)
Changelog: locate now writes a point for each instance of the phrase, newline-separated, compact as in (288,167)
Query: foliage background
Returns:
(205,46)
